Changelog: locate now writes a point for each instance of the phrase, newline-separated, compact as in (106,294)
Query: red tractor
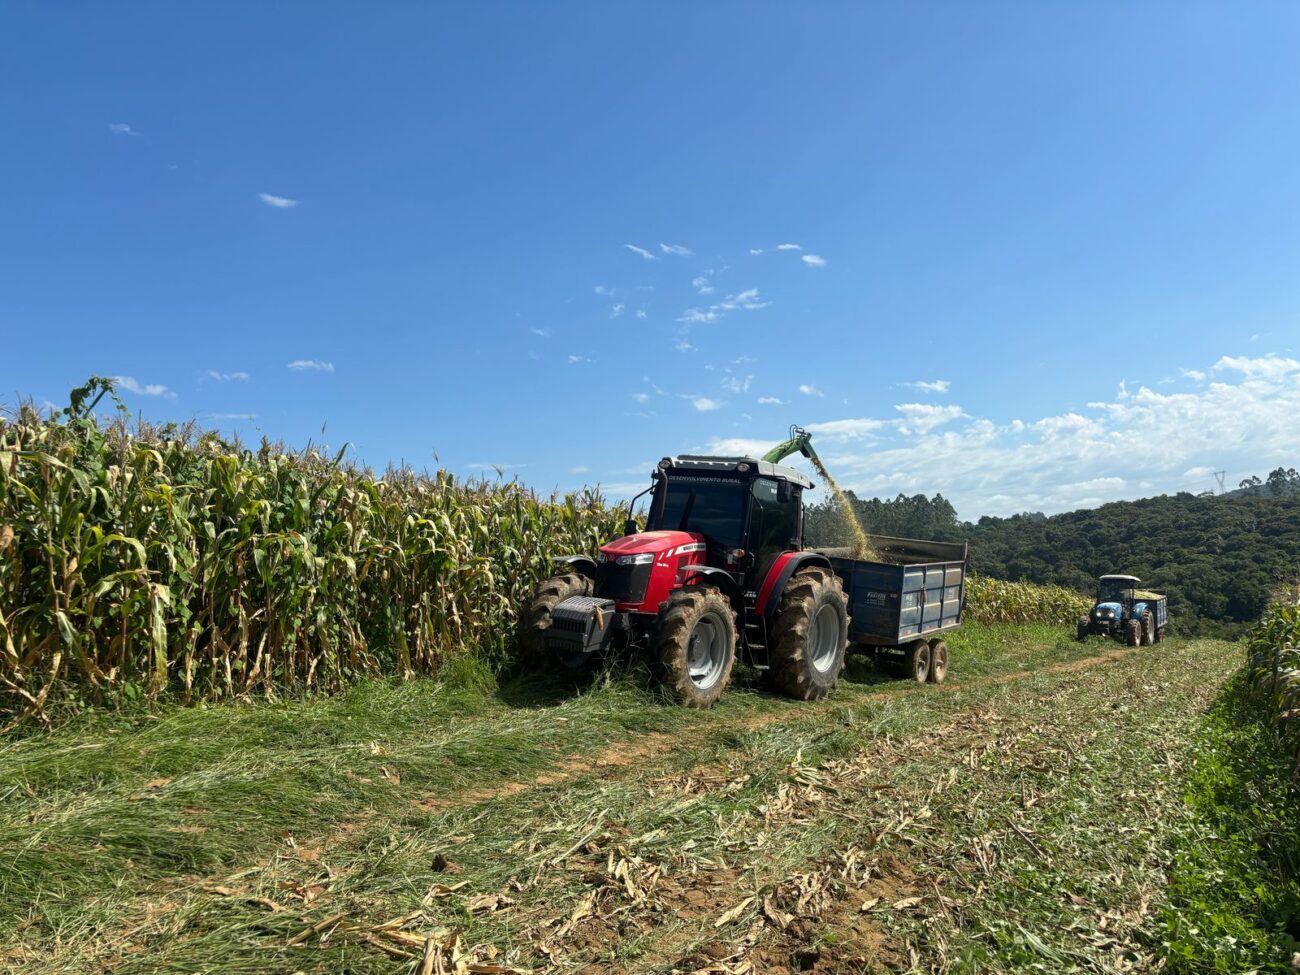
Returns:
(719,570)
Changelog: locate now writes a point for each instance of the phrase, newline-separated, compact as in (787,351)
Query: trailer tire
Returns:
(810,635)
(917,659)
(1160,634)
(938,661)
(536,619)
(1132,633)
(695,645)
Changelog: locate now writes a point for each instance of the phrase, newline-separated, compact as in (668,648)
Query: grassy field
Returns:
(1022,816)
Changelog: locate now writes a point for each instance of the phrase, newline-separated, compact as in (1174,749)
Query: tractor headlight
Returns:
(644,558)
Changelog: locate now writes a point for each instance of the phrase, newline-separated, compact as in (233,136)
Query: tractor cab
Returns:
(1115,594)
(745,512)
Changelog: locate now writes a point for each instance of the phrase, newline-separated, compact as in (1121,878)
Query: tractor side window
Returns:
(773,524)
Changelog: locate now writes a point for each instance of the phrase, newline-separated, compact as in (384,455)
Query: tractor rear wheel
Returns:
(1132,633)
(810,635)
(536,618)
(696,645)
(918,661)
(938,661)
(1149,629)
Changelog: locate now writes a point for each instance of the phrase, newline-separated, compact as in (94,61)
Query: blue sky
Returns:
(1033,256)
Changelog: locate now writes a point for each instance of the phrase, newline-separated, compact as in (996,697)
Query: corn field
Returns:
(997,601)
(1273,664)
(137,563)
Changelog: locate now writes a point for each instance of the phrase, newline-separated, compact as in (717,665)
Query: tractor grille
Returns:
(622,583)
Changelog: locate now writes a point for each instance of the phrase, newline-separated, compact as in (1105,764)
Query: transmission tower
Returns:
(1219,476)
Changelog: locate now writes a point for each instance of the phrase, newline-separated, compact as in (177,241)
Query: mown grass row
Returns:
(137,563)
(998,601)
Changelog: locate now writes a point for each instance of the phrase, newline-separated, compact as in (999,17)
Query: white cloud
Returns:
(641,397)
(310,365)
(227,377)
(1263,367)
(771,401)
(814,260)
(704,404)
(541,333)
(1195,374)
(747,300)
(1139,442)
(808,390)
(121,128)
(924,417)
(701,284)
(616,310)
(935,386)
(642,251)
(575,359)
(677,249)
(581,469)
(604,289)
(684,345)
(734,384)
(755,251)
(788,247)
(132,385)
(641,314)
(279,202)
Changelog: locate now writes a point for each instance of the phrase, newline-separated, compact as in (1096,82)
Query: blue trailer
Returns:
(903,601)
(1126,612)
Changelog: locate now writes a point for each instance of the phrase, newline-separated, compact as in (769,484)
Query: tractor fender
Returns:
(785,566)
(713,576)
(583,564)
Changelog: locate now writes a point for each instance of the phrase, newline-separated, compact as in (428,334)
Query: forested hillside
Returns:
(1219,556)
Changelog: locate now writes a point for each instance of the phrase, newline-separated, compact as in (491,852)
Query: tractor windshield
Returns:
(712,506)
(1114,590)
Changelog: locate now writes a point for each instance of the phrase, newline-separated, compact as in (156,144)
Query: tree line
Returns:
(1218,556)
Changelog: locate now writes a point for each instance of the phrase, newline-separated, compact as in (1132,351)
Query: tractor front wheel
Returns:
(1132,633)
(1081,630)
(537,617)
(696,645)
(810,635)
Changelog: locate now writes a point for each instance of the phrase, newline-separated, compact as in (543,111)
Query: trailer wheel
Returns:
(918,661)
(810,635)
(1132,633)
(696,645)
(1160,634)
(536,619)
(938,661)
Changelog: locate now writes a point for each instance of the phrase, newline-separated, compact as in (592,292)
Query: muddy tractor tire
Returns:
(1081,630)
(1132,633)
(810,635)
(917,661)
(938,661)
(536,619)
(695,645)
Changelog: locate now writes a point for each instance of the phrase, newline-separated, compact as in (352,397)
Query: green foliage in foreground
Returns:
(140,563)
(1234,887)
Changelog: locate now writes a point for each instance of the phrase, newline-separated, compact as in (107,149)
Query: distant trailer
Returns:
(901,602)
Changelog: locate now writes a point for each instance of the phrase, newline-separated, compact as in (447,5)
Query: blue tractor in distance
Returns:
(1123,611)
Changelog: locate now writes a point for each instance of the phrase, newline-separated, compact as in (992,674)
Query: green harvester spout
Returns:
(800,442)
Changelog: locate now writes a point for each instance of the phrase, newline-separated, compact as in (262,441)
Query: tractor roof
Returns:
(1124,578)
(721,465)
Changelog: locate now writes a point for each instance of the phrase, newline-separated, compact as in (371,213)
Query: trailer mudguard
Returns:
(583,564)
(785,566)
(713,576)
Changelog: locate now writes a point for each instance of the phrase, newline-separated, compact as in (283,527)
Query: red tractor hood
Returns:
(659,544)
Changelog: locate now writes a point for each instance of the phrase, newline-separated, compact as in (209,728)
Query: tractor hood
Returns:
(1108,610)
(660,545)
